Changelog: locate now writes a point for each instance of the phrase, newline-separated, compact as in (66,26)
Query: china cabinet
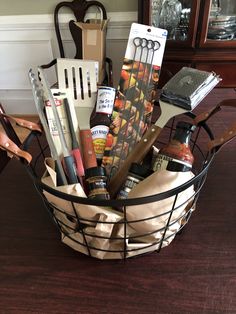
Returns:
(201,34)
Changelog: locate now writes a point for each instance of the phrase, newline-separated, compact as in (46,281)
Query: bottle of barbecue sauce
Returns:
(176,155)
(101,118)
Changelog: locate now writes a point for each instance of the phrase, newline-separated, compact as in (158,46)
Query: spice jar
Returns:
(176,155)
(96,183)
(136,174)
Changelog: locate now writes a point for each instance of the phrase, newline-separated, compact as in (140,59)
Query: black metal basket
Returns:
(74,227)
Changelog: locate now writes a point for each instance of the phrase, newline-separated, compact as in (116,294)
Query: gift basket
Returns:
(133,192)
(120,229)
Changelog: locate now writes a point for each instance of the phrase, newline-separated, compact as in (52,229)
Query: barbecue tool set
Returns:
(95,212)
(135,98)
(131,135)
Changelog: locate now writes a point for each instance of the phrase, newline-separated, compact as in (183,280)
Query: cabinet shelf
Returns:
(209,42)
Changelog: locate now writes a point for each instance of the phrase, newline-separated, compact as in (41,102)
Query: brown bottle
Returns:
(136,174)
(176,155)
(101,118)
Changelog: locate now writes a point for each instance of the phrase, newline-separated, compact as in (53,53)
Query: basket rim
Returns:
(130,201)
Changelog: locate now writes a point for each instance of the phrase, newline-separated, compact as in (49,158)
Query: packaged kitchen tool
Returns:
(176,155)
(100,119)
(136,93)
(182,93)
(59,96)
(38,96)
(74,142)
(68,159)
(93,41)
(188,87)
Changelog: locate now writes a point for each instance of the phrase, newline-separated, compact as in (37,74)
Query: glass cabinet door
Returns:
(179,17)
(219,25)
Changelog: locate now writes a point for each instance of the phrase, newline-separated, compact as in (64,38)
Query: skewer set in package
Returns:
(136,93)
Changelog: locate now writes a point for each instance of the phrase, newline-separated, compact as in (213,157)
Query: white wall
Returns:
(28,41)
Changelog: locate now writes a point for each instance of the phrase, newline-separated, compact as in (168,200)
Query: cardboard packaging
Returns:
(94,42)
(136,93)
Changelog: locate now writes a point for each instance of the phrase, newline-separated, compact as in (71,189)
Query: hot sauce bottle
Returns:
(101,118)
(176,155)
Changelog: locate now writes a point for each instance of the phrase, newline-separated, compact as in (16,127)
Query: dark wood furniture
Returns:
(79,9)
(195,274)
(197,50)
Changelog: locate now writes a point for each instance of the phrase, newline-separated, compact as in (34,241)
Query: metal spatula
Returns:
(81,77)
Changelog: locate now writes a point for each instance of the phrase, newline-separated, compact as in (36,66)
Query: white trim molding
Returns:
(27,41)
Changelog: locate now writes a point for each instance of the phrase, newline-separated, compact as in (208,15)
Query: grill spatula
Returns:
(81,77)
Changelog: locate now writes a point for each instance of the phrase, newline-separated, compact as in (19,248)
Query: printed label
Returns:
(99,135)
(105,100)
(162,161)
(130,183)
(53,127)
(62,115)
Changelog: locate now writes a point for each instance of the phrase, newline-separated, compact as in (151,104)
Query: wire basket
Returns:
(97,229)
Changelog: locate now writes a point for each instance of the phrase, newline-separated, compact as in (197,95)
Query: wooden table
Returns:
(195,274)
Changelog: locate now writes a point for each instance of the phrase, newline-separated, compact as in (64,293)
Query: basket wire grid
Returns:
(78,224)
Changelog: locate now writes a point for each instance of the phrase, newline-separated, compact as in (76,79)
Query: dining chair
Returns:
(79,9)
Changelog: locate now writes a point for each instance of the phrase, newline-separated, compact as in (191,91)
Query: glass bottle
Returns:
(136,174)
(156,10)
(170,16)
(176,155)
(101,118)
(96,183)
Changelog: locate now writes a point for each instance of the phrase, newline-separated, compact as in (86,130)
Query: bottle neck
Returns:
(105,100)
(182,135)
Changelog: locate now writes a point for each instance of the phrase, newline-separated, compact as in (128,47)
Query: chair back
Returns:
(79,8)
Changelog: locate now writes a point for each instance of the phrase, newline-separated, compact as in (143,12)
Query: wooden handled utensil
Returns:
(74,143)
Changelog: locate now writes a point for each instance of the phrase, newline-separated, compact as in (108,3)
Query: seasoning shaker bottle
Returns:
(176,155)
(96,183)
(137,173)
